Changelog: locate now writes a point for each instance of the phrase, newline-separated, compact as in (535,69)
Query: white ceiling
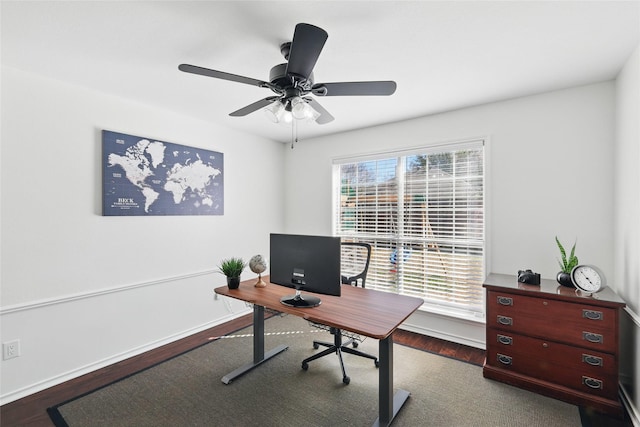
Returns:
(444,55)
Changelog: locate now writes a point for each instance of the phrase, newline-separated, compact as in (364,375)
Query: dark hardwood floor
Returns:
(441,347)
(32,410)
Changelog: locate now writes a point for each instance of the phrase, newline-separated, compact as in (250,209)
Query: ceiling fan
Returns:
(293,81)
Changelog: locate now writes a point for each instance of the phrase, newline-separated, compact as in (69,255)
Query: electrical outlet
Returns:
(10,349)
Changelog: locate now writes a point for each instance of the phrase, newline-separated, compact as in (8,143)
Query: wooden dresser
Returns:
(552,341)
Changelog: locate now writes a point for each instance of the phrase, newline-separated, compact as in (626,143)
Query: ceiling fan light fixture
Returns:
(285,112)
(301,109)
(274,111)
(286,117)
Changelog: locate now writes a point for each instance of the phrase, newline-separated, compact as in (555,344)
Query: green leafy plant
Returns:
(567,264)
(232,267)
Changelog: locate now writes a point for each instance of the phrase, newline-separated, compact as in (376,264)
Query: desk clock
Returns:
(588,278)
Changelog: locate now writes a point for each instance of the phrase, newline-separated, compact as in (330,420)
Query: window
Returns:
(423,213)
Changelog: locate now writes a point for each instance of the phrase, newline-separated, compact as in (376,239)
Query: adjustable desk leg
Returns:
(388,403)
(259,356)
(258,333)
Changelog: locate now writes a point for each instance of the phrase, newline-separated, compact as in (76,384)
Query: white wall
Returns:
(550,172)
(627,223)
(81,291)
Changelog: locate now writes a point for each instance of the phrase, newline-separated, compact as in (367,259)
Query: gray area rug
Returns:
(187,390)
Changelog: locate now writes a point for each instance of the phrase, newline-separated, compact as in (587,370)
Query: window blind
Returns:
(423,213)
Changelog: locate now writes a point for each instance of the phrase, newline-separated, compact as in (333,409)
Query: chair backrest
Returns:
(354,263)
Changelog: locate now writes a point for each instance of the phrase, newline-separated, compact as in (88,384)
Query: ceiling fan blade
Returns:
(308,41)
(379,88)
(254,107)
(221,75)
(324,116)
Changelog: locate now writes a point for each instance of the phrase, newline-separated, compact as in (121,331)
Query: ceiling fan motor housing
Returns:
(278,77)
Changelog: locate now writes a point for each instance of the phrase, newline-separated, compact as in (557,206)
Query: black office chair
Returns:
(355,258)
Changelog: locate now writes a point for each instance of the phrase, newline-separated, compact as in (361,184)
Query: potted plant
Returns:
(566,264)
(232,268)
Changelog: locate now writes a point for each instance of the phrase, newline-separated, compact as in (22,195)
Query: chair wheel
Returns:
(377,363)
(346,380)
(316,346)
(305,365)
(355,344)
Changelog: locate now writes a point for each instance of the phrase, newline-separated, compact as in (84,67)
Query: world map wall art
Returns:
(143,177)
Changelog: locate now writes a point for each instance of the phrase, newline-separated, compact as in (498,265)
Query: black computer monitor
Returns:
(306,263)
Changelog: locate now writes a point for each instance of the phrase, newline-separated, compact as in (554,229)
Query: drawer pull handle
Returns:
(505,360)
(592,383)
(505,300)
(504,320)
(503,339)
(591,337)
(592,314)
(592,360)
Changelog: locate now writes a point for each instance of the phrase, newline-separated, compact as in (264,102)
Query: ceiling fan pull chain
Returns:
(294,132)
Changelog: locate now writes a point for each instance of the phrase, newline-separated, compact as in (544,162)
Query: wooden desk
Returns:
(367,312)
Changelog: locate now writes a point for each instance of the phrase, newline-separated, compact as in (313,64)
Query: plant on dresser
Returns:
(566,264)
(549,340)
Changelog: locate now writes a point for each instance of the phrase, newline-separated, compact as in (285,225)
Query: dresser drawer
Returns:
(550,353)
(578,324)
(605,386)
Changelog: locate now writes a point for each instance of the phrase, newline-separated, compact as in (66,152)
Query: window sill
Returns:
(452,313)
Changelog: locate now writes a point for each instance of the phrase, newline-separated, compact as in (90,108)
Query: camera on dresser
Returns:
(555,341)
(528,277)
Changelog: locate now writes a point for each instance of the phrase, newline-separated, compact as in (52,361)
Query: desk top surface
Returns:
(367,312)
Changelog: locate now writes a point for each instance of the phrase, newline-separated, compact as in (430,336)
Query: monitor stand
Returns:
(299,300)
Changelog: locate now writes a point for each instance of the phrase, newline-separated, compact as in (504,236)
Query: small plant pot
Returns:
(564,279)
(233,282)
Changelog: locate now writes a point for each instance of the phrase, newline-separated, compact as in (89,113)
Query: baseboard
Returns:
(443,336)
(459,331)
(627,402)
(626,381)
(75,373)
(635,317)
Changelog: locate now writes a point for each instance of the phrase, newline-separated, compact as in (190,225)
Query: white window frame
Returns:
(440,307)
